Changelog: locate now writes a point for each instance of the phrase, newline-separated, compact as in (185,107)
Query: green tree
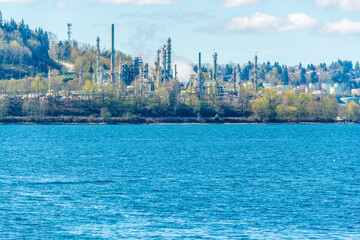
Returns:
(289,113)
(4,107)
(274,74)
(314,77)
(260,108)
(330,108)
(302,76)
(37,85)
(285,76)
(353,112)
(273,99)
(290,98)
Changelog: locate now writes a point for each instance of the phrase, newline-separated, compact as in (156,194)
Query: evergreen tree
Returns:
(357,66)
(302,76)
(314,77)
(91,70)
(285,76)
(1,20)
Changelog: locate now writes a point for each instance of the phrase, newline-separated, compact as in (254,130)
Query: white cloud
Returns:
(239,3)
(19,1)
(349,5)
(344,27)
(139,2)
(65,5)
(264,23)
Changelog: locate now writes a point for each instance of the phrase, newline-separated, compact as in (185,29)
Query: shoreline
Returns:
(153,121)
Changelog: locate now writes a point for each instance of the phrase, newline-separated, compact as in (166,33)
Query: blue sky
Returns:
(287,31)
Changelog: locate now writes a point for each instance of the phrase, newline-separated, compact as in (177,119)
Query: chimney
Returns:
(112,54)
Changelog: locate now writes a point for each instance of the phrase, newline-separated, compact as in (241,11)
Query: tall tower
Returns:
(80,79)
(234,79)
(214,66)
(168,69)
(176,72)
(164,63)
(158,68)
(98,61)
(238,71)
(69,26)
(199,75)
(112,54)
(255,75)
(120,70)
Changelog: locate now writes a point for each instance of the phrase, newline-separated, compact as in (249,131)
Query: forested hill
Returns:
(23,52)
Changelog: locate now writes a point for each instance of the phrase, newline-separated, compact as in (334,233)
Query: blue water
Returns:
(176,182)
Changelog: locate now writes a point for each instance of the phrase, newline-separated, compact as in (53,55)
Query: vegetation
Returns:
(23,52)
(109,105)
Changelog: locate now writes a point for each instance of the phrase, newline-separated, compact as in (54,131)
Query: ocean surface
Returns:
(180,182)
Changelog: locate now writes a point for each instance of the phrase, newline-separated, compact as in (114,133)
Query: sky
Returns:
(285,31)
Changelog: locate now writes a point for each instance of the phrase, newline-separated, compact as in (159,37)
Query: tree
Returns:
(290,98)
(287,112)
(304,100)
(90,87)
(37,85)
(330,108)
(285,76)
(273,99)
(357,66)
(4,107)
(314,77)
(91,70)
(261,109)
(302,76)
(353,112)
(274,74)
(245,73)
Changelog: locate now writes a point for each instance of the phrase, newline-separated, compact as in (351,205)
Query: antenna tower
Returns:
(69,26)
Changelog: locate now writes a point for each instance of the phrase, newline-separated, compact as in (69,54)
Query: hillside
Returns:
(23,51)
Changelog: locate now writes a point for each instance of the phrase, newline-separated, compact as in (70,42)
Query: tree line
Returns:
(110,103)
(23,52)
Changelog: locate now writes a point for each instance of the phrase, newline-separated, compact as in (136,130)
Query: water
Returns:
(176,182)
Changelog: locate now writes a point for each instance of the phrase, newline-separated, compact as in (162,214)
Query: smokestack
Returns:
(80,79)
(164,62)
(255,69)
(120,69)
(98,61)
(214,66)
(158,69)
(168,58)
(176,72)
(199,73)
(112,54)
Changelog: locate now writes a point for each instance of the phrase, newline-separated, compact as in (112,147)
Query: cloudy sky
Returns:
(287,31)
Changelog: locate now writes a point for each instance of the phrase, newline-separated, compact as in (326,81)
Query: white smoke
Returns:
(184,68)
